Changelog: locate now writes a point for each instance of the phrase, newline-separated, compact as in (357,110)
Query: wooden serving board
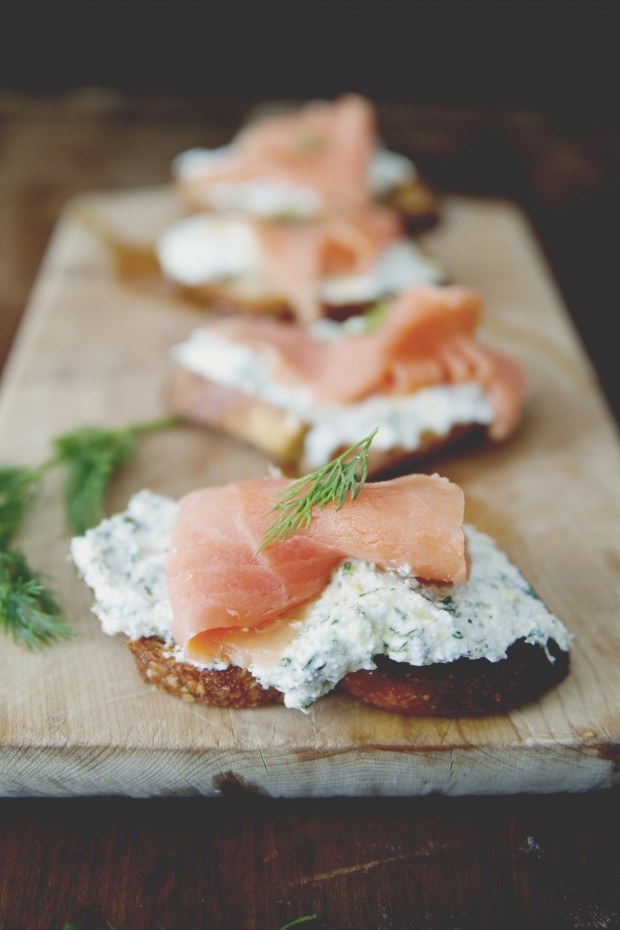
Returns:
(76,719)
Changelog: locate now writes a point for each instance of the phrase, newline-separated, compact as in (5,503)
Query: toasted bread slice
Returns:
(417,204)
(415,201)
(279,434)
(229,687)
(465,687)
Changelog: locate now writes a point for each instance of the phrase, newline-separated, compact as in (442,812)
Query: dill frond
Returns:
(28,610)
(92,455)
(343,477)
(18,488)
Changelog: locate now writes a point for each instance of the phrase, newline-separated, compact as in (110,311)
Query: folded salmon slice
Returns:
(300,256)
(223,592)
(426,337)
(324,146)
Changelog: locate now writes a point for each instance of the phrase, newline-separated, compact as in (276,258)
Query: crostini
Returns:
(378,590)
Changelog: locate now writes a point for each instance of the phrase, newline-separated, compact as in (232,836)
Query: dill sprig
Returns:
(28,610)
(343,477)
(18,489)
(90,456)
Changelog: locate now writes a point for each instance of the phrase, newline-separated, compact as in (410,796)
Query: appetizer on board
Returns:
(413,366)
(303,163)
(303,215)
(331,266)
(266,591)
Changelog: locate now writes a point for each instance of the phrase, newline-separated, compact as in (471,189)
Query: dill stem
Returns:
(151,426)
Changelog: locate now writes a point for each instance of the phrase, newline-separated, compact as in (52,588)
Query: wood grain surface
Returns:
(93,349)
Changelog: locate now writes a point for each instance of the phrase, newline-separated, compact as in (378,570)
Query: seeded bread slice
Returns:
(230,687)
(465,687)
(279,434)
(417,204)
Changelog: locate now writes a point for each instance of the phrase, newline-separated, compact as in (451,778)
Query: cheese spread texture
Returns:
(364,611)
(403,420)
(272,199)
(209,249)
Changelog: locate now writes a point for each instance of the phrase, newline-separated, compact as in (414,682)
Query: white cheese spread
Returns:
(364,611)
(270,198)
(403,420)
(124,560)
(208,249)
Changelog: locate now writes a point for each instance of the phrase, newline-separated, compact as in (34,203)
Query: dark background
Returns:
(547,54)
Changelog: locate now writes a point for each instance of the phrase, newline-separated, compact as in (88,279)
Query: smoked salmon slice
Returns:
(223,591)
(325,147)
(425,337)
(300,256)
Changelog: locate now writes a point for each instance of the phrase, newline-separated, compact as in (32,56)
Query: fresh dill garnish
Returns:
(343,477)
(373,317)
(90,455)
(28,610)
(18,489)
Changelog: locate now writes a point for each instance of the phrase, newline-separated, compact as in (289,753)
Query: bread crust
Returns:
(279,434)
(465,687)
(414,201)
(417,204)
(230,687)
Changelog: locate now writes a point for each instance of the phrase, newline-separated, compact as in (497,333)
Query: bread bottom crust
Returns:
(465,687)
(229,687)
(280,436)
(417,204)
(445,689)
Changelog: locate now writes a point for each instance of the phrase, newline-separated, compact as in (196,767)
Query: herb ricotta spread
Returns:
(403,421)
(364,611)
(209,249)
(274,199)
